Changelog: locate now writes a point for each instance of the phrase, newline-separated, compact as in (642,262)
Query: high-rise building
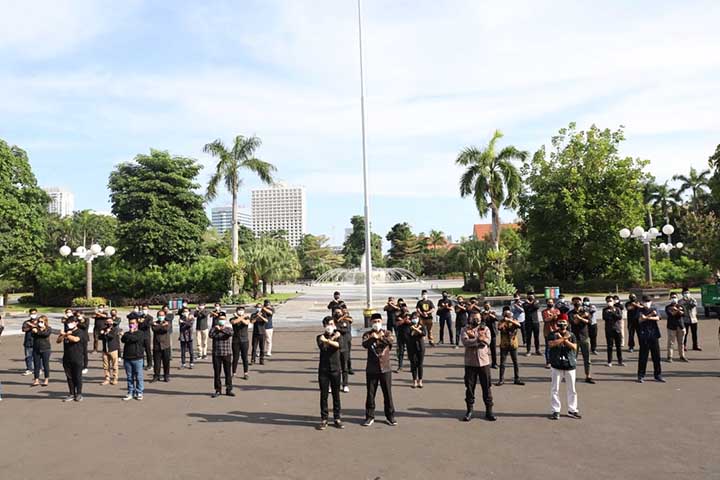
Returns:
(62,201)
(280,207)
(221,218)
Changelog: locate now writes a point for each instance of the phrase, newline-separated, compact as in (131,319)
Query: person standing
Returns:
(402,327)
(591,311)
(215,315)
(675,328)
(579,324)
(201,330)
(343,327)
(649,336)
(378,343)
(689,305)
(563,361)
(41,349)
(82,324)
(221,335)
(336,302)
(444,313)
(110,340)
(426,310)
(621,306)
(268,312)
(632,307)
(98,325)
(145,326)
(612,316)
(240,343)
(258,335)
(461,316)
(391,310)
(133,354)
(185,325)
(532,324)
(73,358)
(550,316)
(509,344)
(416,349)
(161,347)
(26,328)
(329,370)
(489,318)
(518,313)
(475,337)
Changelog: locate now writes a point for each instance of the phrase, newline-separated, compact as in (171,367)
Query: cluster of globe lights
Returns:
(650,235)
(90,254)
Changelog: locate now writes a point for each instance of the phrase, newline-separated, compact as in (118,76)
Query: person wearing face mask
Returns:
(402,327)
(612,316)
(133,354)
(461,315)
(144,321)
(186,338)
(475,337)
(73,359)
(518,313)
(579,320)
(170,318)
(240,342)
(82,326)
(532,324)
(649,335)
(378,343)
(563,360)
(550,316)
(349,336)
(591,310)
(632,307)
(416,349)
(336,302)
(110,339)
(343,327)
(690,319)
(161,347)
(425,309)
(444,313)
(28,341)
(329,370)
(41,350)
(268,312)
(562,304)
(215,315)
(117,323)
(509,344)
(221,335)
(489,318)
(391,310)
(258,336)
(98,325)
(675,328)
(621,306)
(201,330)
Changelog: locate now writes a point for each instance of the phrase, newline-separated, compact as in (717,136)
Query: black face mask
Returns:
(337,315)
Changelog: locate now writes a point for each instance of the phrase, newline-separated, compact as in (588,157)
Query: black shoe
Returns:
(166,380)
(590,380)
(494,366)
(555,416)
(499,383)
(640,380)
(518,382)
(391,421)
(368,422)
(262,361)
(230,393)
(323,425)
(660,379)
(215,394)
(338,424)
(468,416)
(154,379)
(575,415)
(490,417)
(351,372)
(631,350)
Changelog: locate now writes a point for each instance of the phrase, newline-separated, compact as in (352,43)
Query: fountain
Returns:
(356,276)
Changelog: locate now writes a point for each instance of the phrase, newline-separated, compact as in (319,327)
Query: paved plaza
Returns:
(649,431)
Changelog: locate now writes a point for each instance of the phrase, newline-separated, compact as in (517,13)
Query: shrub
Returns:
(91,302)
(239,299)
(27,300)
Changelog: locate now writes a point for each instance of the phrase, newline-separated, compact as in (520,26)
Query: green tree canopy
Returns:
(403,244)
(354,245)
(81,228)
(316,257)
(161,218)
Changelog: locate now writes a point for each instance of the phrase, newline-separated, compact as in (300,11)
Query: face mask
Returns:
(685,295)
(68,314)
(221,323)
(41,324)
(145,312)
(185,305)
(337,297)
(133,327)
(102,310)
(71,325)
(647,304)
(673,300)
(445,295)
(330,329)
(201,307)
(415,321)
(377,327)
(136,309)
(161,319)
(610,304)
(424,297)
(217,309)
(337,315)
(33,316)
(587,304)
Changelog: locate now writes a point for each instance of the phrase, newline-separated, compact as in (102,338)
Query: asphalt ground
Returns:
(628,430)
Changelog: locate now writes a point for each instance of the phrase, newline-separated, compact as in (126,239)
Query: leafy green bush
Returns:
(499,287)
(239,299)
(27,300)
(84,302)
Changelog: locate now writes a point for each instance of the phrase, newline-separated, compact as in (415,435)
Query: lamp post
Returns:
(647,237)
(88,255)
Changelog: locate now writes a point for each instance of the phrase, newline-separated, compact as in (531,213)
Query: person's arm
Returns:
(468,339)
(368,339)
(45,333)
(515,322)
(72,338)
(334,341)
(569,343)
(556,342)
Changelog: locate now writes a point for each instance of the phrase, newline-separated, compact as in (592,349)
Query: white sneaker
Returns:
(127,397)
(609,364)
(85,370)
(139,397)
(346,389)
(27,372)
(268,354)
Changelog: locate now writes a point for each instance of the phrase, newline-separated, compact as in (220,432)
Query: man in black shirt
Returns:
(336,302)
(201,330)
(649,336)
(378,343)
(161,347)
(461,316)
(240,342)
(426,311)
(98,325)
(258,335)
(444,313)
(28,341)
(633,307)
(73,358)
(391,309)
(343,325)
(613,330)
(329,372)
(110,339)
(532,324)
(675,328)
(579,321)
(402,327)
(145,321)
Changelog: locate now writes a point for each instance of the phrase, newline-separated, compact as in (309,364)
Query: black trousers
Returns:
(349,353)
(532,329)
(691,328)
(401,347)
(41,359)
(458,329)
(632,330)
(73,372)
(329,381)
(593,331)
(344,366)
(446,321)
(513,356)
(240,350)
(162,357)
(614,338)
(147,343)
(222,363)
(417,355)
(385,381)
(258,343)
(473,375)
(186,348)
(86,360)
(493,343)
(649,347)
(391,326)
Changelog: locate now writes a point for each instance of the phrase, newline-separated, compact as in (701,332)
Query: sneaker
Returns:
(621,364)
(35,383)
(640,380)
(338,424)
(538,352)
(105,382)
(595,353)
(660,379)
(268,354)
(697,349)
(139,397)
(346,389)
(215,394)
(79,398)
(519,382)
(27,372)
(230,393)
(182,366)
(127,397)
(495,367)
(575,415)
(684,359)
(669,360)
(490,417)
(590,380)
(414,385)
(547,366)
(323,425)
(69,398)
(631,350)
(391,421)
(499,383)
(192,365)
(528,354)
(456,347)
(555,416)
(420,385)
(468,416)
(368,422)
(609,364)
(85,370)
(351,372)
(246,376)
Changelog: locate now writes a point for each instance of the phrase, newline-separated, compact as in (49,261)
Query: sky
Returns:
(94,83)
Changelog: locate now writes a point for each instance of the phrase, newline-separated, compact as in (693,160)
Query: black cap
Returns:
(375,316)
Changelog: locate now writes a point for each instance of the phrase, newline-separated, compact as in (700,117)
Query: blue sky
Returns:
(94,83)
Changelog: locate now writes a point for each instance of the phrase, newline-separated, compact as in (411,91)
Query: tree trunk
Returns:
(264,291)
(495,226)
(272,288)
(234,239)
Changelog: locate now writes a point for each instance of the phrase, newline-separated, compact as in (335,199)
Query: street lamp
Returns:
(94,252)
(647,237)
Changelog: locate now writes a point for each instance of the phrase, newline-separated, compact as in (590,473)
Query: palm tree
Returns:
(695,183)
(229,167)
(491,179)
(665,198)
(436,239)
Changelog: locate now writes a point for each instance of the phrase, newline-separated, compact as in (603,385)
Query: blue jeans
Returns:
(134,373)
(29,359)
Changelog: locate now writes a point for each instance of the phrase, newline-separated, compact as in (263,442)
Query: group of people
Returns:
(147,344)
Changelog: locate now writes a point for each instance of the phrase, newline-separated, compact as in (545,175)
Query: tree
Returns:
(354,245)
(665,199)
(161,219)
(269,260)
(492,179)
(316,257)
(577,200)
(436,239)
(714,183)
(23,218)
(81,228)
(695,183)
(229,168)
(403,244)
(701,232)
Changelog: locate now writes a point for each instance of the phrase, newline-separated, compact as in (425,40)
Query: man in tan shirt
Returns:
(476,337)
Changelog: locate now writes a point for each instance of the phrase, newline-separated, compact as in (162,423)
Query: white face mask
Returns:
(330,329)
(424,297)
(647,304)
(377,326)
(41,324)
(610,304)
(415,321)
(33,316)
(71,325)
(145,312)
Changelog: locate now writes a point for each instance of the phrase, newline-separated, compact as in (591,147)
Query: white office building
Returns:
(280,207)
(62,201)
(221,218)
